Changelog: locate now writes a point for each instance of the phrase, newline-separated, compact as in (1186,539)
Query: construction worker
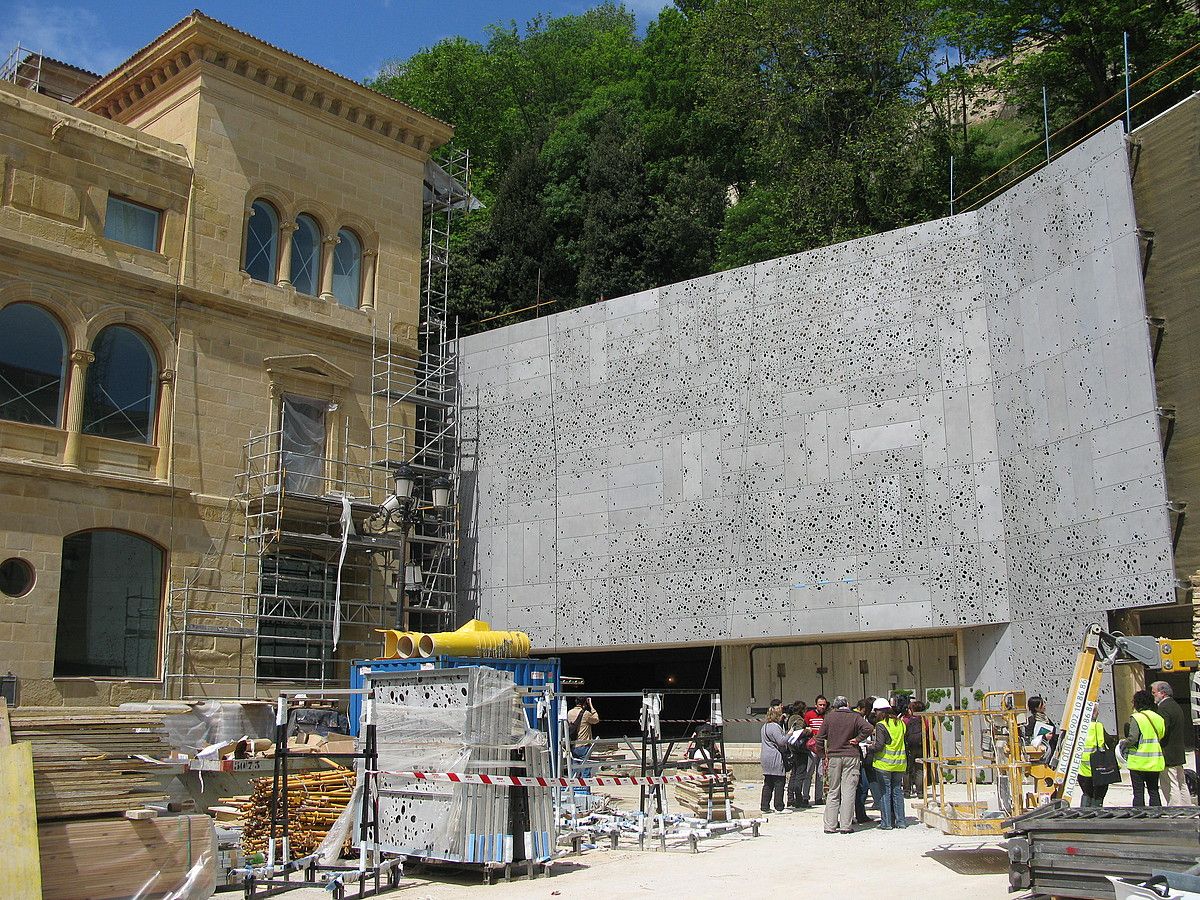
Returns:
(1174,780)
(1143,749)
(1096,739)
(890,764)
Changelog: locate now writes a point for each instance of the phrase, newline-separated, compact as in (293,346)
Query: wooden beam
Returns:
(20,860)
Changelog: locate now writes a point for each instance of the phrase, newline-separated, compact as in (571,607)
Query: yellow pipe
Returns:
(476,638)
(394,644)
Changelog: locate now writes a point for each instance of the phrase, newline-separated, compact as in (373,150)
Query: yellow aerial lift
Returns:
(1101,651)
(967,746)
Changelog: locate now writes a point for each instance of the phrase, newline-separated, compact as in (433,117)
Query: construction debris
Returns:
(315,800)
(86,761)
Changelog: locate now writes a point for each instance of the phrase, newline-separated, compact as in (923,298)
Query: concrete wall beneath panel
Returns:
(946,426)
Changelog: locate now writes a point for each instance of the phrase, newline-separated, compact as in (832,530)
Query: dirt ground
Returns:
(791,854)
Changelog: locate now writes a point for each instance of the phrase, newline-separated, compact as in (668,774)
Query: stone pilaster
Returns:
(80,360)
(162,432)
(368,279)
(286,230)
(327,247)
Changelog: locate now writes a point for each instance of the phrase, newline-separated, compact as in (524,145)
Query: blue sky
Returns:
(354,39)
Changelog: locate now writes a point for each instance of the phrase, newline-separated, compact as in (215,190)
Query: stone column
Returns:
(286,230)
(368,279)
(80,360)
(162,431)
(327,246)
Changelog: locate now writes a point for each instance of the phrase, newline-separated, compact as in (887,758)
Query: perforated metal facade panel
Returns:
(951,425)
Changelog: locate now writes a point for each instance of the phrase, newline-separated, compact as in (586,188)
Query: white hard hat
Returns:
(881,703)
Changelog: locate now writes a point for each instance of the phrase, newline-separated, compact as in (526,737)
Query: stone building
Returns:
(204,243)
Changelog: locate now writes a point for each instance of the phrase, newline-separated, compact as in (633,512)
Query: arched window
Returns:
(121,385)
(262,242)
(33,356)
(306,255)
(109,606)
(347,269)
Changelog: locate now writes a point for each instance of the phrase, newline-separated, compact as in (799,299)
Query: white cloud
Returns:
(72,34)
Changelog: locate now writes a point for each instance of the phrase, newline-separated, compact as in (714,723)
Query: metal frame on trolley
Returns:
(375,872)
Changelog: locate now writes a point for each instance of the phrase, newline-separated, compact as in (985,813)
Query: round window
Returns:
(16,577)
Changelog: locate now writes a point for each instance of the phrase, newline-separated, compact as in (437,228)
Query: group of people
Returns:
(1154,748)
(873,749)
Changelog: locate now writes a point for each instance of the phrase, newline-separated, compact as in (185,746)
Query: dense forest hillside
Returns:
(739,130)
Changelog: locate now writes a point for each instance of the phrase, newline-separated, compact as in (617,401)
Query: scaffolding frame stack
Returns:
(240,625)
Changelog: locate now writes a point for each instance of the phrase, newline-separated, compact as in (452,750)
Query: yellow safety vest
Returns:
(1094,741)
(892,757)
(1147,755)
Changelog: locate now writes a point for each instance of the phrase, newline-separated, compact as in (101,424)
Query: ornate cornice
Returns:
(199,43)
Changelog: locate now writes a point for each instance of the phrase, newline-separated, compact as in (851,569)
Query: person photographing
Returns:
(581,718)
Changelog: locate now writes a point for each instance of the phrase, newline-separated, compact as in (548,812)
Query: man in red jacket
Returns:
(814,775)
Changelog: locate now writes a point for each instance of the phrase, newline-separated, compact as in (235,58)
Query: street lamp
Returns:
(400,510)
(405,478)
(441,492)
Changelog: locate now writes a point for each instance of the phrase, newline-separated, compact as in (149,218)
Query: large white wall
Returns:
(950,426)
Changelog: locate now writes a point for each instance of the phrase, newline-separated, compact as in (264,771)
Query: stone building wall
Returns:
(189,127)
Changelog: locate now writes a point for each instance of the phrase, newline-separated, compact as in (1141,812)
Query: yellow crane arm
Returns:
(1100,651)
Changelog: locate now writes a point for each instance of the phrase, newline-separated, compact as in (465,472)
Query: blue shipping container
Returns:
(536,673)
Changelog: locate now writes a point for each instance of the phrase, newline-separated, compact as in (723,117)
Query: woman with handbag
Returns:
(1097,764)
(774,757)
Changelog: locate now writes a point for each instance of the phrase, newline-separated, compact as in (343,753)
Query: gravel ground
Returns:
(791,854)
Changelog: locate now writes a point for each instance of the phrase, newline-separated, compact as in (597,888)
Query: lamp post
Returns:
(400,509)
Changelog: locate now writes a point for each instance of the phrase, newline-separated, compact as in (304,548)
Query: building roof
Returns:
(200,38)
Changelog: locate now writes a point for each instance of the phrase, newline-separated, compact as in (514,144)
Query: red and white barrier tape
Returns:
(689,721)
(534,781)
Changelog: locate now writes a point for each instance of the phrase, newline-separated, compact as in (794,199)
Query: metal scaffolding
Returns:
(23,67)
(416,405)
(301,596)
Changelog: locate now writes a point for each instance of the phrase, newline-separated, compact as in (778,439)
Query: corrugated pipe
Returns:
(476,638)
(391,642)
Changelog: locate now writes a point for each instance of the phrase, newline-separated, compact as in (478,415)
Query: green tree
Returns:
(822,98)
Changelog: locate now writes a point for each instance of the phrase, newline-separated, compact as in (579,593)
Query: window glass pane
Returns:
(295,608)
(121,386)
(306,255)
(109,601)
(347,265)
(32,356)
(131,223)
(262,242)
(302,444)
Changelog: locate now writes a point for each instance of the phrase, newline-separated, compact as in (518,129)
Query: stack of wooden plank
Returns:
(315,800)
(84,759)
(693,796)
(105,859)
